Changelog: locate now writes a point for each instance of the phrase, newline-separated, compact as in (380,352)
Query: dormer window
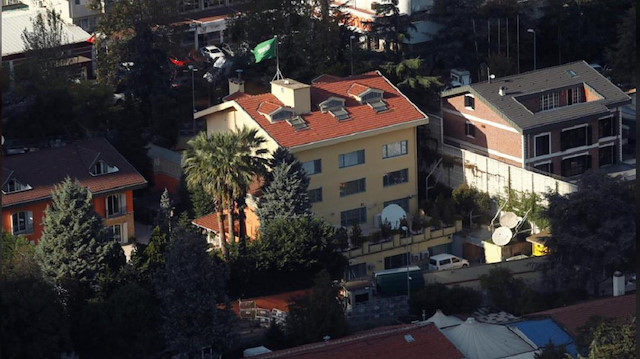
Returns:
(13,185)
(281,114)
(335,106)
(274,112)
(298,123)
(101,168)
(368,95)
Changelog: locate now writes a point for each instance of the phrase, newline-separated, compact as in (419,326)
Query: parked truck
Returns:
(392,282)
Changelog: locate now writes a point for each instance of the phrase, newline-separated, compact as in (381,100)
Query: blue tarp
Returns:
(542,330)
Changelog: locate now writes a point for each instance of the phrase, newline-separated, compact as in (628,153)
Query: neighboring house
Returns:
(17,19)
(167,168)
(75,12)
(355,136)
(29,179)
(562,120)
(421,340)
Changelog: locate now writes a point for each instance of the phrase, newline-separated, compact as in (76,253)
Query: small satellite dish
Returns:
(393,214)
(508,219)
(501,236)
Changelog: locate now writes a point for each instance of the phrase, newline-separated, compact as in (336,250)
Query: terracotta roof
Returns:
(234,96)
(278,301)
(209,221)
(268,107)
(357,89)
(574,316)
(323,126)
(45,168)
(385,342)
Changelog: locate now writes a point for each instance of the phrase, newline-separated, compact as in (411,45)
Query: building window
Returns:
(116,205)
(574,166)
(84,23)
(13,185)
(574,95)
(356,271)
(115,233)
(394,149)
(395,177)
(605,127)
(315,195)
(353,216)
(77,2)
(576,137)
(351,159)
(470,129)
(101,167)
(397,261)
(606,156)
(352,187)
(22,222)
(549,101)
(469,102)
(402,202)
(542,144)
(312,167)
(546,167)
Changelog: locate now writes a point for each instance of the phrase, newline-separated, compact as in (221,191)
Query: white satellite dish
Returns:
(393,214)
(501,236)
(509,220)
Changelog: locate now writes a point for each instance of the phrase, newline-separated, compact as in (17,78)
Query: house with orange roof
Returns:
(28,180)
(355,136)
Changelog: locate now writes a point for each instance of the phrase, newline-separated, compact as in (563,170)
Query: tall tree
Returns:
(410,75)
(391,26)
(18,257)
(74,251)
(191,289)
(593,232)
(613,339)
(622,55)
(43,43)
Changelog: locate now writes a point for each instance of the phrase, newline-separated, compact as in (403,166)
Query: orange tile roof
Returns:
(357,89)
(323,126)
(385,342)
(268,107)
(45,168)
(278,301)
(210,221)
(574,316)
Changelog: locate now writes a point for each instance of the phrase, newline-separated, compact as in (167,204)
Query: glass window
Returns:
(575,165)
(351,187)
(402,202)
(14,186)
(22,222)
(542,143)
(115,233)
(315,195)
(549,101)
(544,167)
(470,129)
(351,159)
(606,156)
(116,205)
(394,149)
(469,102)
(605,127)
(574,95)
(312,167)
(397,261)
(395,177)
(353,216)
(575,138)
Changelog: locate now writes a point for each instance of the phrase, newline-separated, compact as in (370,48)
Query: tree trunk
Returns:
(242,225)
(223,239)
(232,236)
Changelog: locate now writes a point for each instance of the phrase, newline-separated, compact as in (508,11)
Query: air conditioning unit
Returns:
(377,220)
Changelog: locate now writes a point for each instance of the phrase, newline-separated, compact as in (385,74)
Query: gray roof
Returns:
(14,22)
(535,82)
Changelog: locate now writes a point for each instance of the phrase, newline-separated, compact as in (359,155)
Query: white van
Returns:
(447,261)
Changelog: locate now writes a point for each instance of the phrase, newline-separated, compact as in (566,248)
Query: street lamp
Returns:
(534,47)
(351,51)
(406,233)
(192,69)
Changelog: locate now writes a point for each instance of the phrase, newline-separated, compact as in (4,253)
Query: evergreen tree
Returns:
(286,195)
(74,251)
(391,26)
(18,257)
(165,212)
(191,286)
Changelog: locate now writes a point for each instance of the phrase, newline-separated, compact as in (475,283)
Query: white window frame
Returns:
(342,163)
(403,145)
(28,223)
(535,146)
(17,186)
(122,205)
(473,99)
(549,101)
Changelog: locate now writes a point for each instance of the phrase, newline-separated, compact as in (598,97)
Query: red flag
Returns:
(177,62)
(92,39)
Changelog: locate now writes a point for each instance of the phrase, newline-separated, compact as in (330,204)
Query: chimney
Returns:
(618,284)
(236,84)
(293,94)
(502,91)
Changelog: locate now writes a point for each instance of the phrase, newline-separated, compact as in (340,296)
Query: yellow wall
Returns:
(230,119)
(373,170)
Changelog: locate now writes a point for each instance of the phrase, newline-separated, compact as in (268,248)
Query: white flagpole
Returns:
(278,75)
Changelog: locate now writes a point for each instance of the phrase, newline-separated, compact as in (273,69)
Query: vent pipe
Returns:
(618,284)
(502,90)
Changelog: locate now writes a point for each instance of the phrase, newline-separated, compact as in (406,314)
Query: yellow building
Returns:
(355,136)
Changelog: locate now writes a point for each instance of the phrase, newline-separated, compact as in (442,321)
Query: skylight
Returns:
(378,106)
(339,113)
(298,123)
(571,73)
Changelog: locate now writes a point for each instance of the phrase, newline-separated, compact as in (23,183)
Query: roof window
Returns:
(102,168)
(298,123)
(13,186)
(378,106)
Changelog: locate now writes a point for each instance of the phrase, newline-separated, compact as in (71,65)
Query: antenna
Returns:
(502,236)
(393,214)
(508,219)
(499,210)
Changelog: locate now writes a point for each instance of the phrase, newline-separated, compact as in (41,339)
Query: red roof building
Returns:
(29,179)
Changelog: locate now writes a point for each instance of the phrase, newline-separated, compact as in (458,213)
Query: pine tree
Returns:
(285,189)
(74,252)
(165,212)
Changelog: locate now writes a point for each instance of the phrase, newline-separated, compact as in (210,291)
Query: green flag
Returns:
(265,50)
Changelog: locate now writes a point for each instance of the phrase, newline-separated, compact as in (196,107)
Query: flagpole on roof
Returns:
(278,75)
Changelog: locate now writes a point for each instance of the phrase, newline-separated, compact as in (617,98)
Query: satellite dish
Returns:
(501,236)
(393,214)
(508,219)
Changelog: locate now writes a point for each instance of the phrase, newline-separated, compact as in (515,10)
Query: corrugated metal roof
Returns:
(542,331)
(534,82)
(14,22)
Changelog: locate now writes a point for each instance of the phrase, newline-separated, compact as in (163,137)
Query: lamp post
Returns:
(351,51)
(192,69)
(534,47)
(406,233)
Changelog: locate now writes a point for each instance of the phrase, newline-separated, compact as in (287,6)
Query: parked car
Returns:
(447,261)
(211,53)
